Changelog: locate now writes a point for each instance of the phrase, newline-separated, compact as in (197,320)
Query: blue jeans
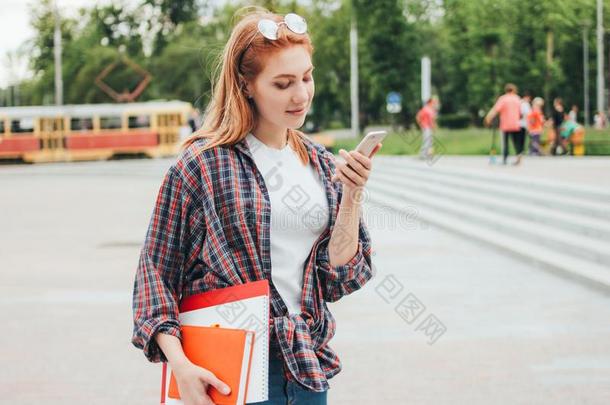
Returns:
(283,392)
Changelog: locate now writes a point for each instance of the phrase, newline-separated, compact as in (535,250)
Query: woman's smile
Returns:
(297,112)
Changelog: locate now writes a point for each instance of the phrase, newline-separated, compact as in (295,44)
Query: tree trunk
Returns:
(548,75)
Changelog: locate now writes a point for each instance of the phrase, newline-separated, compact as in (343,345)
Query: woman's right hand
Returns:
(193,382)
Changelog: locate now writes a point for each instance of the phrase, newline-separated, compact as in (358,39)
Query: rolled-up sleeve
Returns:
(338,281)
(345,279)
(172,247)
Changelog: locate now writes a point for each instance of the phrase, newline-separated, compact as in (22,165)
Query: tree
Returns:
(476,46)
(166,16)
(388,57)
(330,24)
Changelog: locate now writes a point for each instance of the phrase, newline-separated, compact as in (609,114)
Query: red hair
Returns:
(230,115)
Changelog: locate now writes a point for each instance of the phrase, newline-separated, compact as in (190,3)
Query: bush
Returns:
(454,121)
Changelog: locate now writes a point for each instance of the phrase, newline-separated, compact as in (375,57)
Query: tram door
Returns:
(52,133)
(168,126)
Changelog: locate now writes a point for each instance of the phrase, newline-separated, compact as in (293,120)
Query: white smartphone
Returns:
(368,143)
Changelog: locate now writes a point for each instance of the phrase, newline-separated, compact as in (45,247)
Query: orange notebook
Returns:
(225,352)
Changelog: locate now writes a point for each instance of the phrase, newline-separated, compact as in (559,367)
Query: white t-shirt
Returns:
(299,215)
(526,108)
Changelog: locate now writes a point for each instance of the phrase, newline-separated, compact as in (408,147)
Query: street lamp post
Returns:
(585,70)
(59,85)
(600,58)
(353,39)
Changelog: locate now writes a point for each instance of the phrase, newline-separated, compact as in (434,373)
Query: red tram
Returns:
(92,131)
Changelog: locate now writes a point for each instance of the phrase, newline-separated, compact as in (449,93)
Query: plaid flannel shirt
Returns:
(210,229)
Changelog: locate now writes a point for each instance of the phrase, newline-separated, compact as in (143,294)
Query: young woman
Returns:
(252,198)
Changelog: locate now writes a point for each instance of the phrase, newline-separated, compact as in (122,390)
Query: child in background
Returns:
(535,122)
(568,127)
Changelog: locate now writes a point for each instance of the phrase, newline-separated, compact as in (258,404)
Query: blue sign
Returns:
(393,98)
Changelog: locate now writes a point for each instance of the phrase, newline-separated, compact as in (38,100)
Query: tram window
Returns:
(110,122)
(1,126)
(23,125)
(81,124)
(139,121)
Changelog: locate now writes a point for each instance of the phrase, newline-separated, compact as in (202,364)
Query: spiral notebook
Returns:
(243,306)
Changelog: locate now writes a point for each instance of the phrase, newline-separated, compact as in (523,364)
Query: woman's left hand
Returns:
(354,172)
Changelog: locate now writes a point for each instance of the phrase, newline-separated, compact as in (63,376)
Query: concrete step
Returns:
(591,249)
(558,262)
(560,188)
(596,228)
(568,204)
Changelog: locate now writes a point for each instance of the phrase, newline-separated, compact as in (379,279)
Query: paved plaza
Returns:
(491,328)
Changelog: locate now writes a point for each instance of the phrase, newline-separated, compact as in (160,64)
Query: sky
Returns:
(15,29)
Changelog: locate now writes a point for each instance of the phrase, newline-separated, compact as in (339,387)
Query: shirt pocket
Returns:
(239,220)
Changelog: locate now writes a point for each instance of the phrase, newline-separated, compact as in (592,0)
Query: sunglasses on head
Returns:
(295,23)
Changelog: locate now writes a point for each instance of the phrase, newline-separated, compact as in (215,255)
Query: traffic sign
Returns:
(393,108)
(393,98)
(393,102)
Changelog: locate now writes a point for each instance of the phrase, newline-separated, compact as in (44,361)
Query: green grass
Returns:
(471,141)
(597,142)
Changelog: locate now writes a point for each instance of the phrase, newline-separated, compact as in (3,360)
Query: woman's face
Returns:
(284,90)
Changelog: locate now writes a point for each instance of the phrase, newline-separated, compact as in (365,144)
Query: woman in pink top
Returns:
(426,119)
(509,108)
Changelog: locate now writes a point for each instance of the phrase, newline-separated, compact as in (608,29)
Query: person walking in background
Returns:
(535,124)
(574,113)
(568,127)
(557,121)
(526,108)
(599,120)
(194,120)
(426,119)
(509,108)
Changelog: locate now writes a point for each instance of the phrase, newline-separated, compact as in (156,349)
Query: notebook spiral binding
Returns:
(266,351)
